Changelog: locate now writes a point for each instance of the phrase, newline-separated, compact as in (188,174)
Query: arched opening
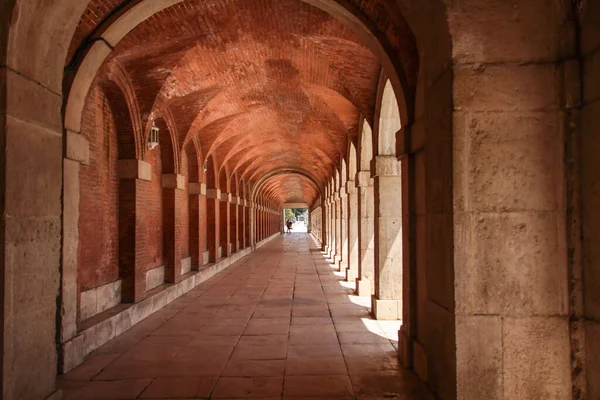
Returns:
(388,222)
(233,216)
(352,216)
(196,208)
(365,284)
(103,265)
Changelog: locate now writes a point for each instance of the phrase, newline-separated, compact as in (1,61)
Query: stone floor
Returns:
(279,324)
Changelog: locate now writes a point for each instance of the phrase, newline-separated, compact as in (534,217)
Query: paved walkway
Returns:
(278,324)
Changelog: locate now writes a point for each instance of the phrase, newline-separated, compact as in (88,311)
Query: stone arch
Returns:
(388,124)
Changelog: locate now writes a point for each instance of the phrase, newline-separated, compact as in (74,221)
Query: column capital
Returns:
(363,179)
(225,197)
(197,188)
(351,187)
(173,181)
(78,148)
(135,169)
(386,166)
(213,193)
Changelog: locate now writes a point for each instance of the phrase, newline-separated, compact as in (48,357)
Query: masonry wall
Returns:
(590,185)
(98,206)
(154,212)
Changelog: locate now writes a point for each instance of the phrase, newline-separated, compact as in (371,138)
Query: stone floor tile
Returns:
(311,321)
(403,385)
(338,386)
(371,365)
(166,388)
(92,366)
(260,352)
(369,350)
(254,368)
(266,328)
(316,366)
(248,387)
(315,337)
(118,389)
(314,351)
(361,338)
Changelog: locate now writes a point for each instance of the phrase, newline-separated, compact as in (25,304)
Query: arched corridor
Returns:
(446,152)
(277,324)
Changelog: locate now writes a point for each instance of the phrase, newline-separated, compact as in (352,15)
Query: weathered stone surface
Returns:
(522,281)
(33,170)
(530,370)
(505,24)
(507,88)
(479,357)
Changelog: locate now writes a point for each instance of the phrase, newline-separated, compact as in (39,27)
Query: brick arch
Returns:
(193,164)
(255,189)
(116,84)
(211,173)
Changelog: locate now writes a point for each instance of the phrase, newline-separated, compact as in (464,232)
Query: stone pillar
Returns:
(365,284)
(134,176)
(234,232)
(331,221)
(387,300)
(337,256)
(352,229)
(324,232)
(213,207)
(343,262)
(224,225)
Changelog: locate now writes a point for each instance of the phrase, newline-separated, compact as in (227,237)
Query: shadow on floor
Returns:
(279,324)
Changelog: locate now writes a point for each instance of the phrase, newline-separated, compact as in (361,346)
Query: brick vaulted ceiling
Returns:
(262,85)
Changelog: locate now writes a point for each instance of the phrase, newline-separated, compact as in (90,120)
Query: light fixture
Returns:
(205,166)
(153,138)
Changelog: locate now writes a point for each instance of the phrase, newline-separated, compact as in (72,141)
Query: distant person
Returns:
(289,225)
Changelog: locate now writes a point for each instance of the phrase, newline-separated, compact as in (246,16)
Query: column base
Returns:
(405,348)
(342,266)
(364,287)
(337,260)
(351,275)
(386,309)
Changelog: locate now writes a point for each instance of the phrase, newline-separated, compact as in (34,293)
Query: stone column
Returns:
(233,222)
(352,229)
(387,300)
(224,225)
(343,262)
(337,258)
(331,221)
(213,206)
(134,176)
(365,284)
(324,231)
